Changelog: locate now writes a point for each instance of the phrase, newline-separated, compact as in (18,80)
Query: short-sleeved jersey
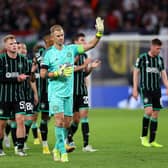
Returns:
(53,60)
(10,89)
(80,87)
(150,68)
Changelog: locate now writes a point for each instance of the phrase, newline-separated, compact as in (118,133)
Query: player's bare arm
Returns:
(95,64)
(43,73)
(135,83)
(164,79)
(83,66)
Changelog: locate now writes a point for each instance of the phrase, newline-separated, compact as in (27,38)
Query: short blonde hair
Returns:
(56,28)
(9,36)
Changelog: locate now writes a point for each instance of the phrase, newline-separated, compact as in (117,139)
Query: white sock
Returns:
(45,143)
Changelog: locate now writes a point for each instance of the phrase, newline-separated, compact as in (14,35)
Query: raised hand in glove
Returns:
(99,27)
(65,70)
(38,55)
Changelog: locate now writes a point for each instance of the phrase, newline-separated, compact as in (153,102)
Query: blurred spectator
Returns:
(141,16)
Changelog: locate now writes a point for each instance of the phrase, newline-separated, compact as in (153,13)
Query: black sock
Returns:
(85,132)
(14,138)
(34,131)
(7,129)
(20,143)
(145,125)
(44,130)
(153,128)
(1,141)
(27,127)
(71,131)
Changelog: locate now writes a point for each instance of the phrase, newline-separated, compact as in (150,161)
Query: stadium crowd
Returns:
(139,16)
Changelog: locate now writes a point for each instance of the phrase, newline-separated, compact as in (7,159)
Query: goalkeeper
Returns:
(58,66)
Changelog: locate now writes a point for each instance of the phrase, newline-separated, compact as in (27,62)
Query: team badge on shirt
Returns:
(69,54)
(20,65)
(55,108)
(160,62)
(146,100)
(1,111)
(42,105)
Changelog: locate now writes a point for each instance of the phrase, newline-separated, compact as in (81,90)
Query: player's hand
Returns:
(87,61)
(22,77)
(99,27)
(135,93)
(38,55)
(65,70)
(95,64)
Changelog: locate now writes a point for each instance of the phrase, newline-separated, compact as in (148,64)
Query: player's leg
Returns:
(153,129)
(145,126)
(147,102)
(36,133)
(44,131)
(67,122)
(7,128)
(2,127)
(20,131)
(13,134)
(34,127)
(85,130)
(29,118)
(28,122)
(6,135)
(5,109)
(75,120)
(73,128)
(154,119)
(56,108)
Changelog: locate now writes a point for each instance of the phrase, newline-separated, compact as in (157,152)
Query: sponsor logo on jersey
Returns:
(12,74)
(152,70)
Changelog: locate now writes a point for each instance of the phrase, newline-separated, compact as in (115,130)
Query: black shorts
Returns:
(8,110)
(43,107)
(151,98)
(35,108)
(79,102)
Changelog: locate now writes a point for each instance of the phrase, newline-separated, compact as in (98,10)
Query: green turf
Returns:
(114,132)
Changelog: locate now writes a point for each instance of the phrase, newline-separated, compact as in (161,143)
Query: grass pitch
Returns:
(114,132)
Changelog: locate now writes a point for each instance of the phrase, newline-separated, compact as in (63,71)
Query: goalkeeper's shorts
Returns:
(61,104)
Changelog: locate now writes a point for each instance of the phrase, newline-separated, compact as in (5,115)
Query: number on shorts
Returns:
(85,100)
(22,105)
(29,106)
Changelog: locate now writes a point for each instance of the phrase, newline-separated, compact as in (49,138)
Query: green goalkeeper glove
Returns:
(65,70)
(99,27)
